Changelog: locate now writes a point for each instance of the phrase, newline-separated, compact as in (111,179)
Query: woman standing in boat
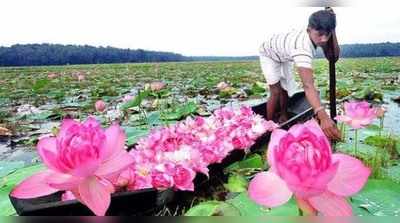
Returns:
(281,51)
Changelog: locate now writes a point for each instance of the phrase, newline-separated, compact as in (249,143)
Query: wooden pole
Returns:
(332,82)
(332,89)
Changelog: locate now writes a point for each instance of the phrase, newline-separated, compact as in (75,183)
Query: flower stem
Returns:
(343,131)
(380,126)
(305,208)
(355,141)
(376,164)
(300,212)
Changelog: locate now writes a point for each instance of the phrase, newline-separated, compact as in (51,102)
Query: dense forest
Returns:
(370,50)
(57,54)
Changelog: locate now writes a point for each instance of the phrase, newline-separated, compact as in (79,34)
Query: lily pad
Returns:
(369,93)
(363,150)
(207,208)
(39,85)
(248,207)
(370,130)
(388,143)
(153,119)
(227,92)
(254,161)
(179,111)
(42,116)
(236,183)
(9,182)
(380,198)
(393,172)
(258,88)
(136,101)
(133,134)
(8,167)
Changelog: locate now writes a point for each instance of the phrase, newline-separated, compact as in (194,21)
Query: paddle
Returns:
(332,80)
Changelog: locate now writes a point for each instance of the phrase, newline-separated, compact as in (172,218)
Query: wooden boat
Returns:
(147,201)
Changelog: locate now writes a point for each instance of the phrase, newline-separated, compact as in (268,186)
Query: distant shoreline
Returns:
(57,54)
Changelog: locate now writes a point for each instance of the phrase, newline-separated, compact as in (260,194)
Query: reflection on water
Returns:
(392,117)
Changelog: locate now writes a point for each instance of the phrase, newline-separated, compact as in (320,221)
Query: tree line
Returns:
(370,50)
(57,54)
(387,49)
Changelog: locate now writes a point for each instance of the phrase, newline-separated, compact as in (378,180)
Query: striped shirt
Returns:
(293,46)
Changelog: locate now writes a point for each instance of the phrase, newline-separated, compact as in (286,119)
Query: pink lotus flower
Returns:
(170,156)
(169,175)
(83,159)
(161,180)
(81,77)
(126,178)
(100,105)
(67,196)
(127,98)
(222,85)
(183,177)
(302,164)
(380,111)
(138,175)
(157,85)
(52,75)
(357,114)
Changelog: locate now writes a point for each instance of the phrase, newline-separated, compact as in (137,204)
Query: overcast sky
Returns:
(189,27)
